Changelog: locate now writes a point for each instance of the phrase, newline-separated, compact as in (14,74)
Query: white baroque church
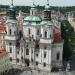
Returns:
(35,45)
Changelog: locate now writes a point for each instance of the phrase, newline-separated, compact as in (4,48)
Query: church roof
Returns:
(11,21)
(3,53)
(2,29)
(47,22)
(32,18)
(57,35)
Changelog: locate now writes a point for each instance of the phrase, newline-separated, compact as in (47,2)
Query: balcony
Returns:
(46,40)
(11,37)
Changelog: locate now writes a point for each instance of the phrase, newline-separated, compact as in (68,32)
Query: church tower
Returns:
(47,11)
(46,39)
(11,33)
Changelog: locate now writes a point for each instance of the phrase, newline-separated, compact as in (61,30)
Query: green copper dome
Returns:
(11,21)
(47,22)
(47,7)
(11,12)
(32,19)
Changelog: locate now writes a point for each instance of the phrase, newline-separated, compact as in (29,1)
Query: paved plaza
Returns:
(45,73)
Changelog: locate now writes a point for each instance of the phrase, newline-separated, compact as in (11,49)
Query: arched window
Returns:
(37,32)
(10,58)
(10,50)
(36,63)
(27,51)
(10,32)
(17,59)
(22,58)
(45,34)
(29,31)
(44,64)
(44,54)
(10,43)
(32,12)
(58,56)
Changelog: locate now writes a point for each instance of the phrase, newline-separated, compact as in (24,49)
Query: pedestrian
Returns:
(68,67)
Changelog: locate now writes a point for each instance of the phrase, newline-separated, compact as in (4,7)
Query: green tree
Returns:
(67,34)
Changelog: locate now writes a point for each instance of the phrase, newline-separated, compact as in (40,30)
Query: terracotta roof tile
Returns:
(3,53)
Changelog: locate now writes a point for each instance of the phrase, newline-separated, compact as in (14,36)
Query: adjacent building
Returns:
(4,62)
(2,37)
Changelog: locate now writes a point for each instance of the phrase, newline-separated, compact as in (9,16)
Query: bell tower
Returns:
(47,11)
(11,33)
(11,11)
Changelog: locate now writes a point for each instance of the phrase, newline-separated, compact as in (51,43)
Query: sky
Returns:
(39,2)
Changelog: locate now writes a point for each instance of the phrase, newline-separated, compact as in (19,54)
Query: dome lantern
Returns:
(47,11)
(11,11)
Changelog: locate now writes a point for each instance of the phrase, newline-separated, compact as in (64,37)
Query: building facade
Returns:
(2,37)
(34,45)
(4,62)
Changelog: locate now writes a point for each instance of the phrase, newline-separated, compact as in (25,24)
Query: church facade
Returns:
(37,43)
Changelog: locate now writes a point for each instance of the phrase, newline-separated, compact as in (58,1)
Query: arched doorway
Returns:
(27,62)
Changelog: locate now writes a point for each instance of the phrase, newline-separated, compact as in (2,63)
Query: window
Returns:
(22,58)
(10,43)
(32,36)
(50,35)
(45,34)
(58,55)
(32,12)
(17,59)
(37,32)
(17,44)
(27,51)
(10,32)
(10,50)
(22,50)
(29,31)
(37,55)
(6,32)
(26,45)
(14,32)
(17,52)
(40,35)
(45,47)
(44,64)
(32,51)
(36,63)
(31,59)
(44,54)
(10,58)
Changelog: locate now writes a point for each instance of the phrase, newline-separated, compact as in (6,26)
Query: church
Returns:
(36,42)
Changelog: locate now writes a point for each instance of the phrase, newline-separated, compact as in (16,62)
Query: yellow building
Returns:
(4,62)
(2,37)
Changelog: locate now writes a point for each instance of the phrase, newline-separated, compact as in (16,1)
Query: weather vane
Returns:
(48,2)
(33,3)
(11,2)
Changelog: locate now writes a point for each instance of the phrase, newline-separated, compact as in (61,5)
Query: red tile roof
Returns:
(3,53)
(2,28)
(57,35)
